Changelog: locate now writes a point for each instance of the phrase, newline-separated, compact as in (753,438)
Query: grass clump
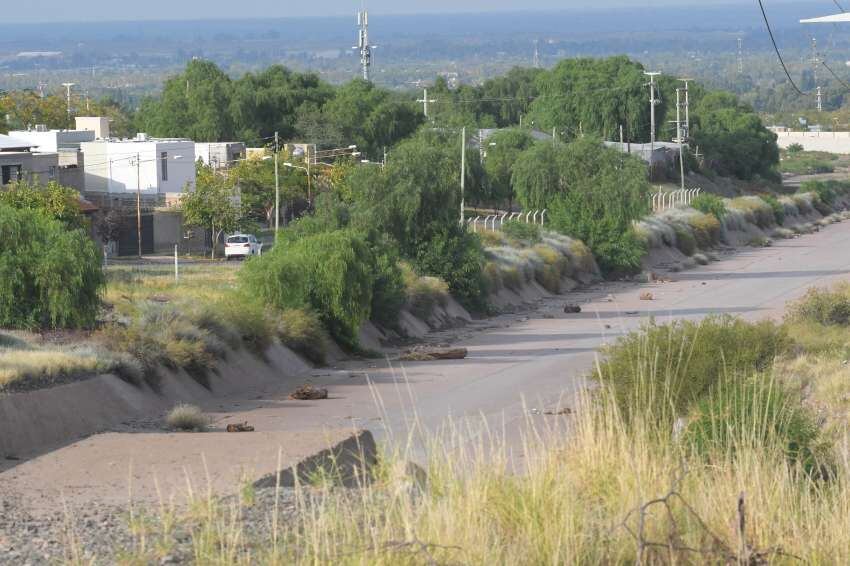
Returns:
(755,210)
(301,331)
(424,293)
(685,241)
(708,203)
(807,163)
(187,418)
(778,208)
(707,230)
(666,368)
(824,307)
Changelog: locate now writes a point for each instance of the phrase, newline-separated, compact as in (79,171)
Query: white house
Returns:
(159,169)
(221,154)
(18,162)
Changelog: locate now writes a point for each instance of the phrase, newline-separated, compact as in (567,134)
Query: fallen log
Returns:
(433,354)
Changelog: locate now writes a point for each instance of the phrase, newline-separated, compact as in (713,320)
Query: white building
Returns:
(18,162)
(221,154)
(159,169)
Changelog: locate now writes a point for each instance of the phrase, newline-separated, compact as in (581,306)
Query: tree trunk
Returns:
(214,239)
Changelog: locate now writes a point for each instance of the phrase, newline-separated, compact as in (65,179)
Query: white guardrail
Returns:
(497,221)
(662,201)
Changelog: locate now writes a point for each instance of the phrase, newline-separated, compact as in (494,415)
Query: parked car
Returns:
(242,246)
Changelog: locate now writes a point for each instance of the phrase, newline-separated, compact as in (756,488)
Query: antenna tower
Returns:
(363,43)
(536,62)
(68,94)
(740,55)
(815,60)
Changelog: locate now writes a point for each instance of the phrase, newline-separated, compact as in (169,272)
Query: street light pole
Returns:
(276,187)
(462,175)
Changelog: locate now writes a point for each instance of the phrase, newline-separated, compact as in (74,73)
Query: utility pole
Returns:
(820,100)
(621,136)
(309,179)
(276,186)
(139,202)
(425,101)
(68,95)
(679,136)
(687,130)
(363,43)
(653,102)
(462,175)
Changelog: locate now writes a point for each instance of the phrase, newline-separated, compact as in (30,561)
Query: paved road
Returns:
(521,366)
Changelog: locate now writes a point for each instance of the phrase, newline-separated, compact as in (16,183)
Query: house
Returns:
(158,170)
(143,179)
(222,154)
(660,154)
(20,162)
(67,144)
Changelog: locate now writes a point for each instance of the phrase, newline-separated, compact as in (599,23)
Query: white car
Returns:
(242,246)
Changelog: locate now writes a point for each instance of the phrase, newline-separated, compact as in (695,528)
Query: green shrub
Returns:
(708,203)
(301,331)
(758,413)
(795,148)
(332,273)
(50,275)
(826,307)
(706,230)
(756,210)
(662,370)
(424,293)
(778,208)
(492,274)
(685,241)
(456,257)
(237,320)
(528,234)
(388,291)
(187,418)
(823,189)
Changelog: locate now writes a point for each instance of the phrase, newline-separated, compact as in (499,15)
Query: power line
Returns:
(838,5)
(776,48)
(844,83)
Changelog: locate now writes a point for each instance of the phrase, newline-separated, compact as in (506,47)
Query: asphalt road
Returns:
(519,367)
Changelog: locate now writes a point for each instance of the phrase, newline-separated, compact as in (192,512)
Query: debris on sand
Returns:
(548,316)
(560,411)
(647,296)
(430,354)
(241,427)
(309,393)
(572,309)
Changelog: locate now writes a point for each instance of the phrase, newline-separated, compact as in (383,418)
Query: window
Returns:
(10,173)
(164,157)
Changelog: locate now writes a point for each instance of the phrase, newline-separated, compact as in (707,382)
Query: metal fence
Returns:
(497,221)
(683,197)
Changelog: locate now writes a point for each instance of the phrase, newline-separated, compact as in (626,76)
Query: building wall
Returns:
(54,140)
(38,168)
(830,142)
(111,167)
(220,154)
(97,124)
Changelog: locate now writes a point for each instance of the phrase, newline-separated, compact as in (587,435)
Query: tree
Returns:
(596,196)
(255,180)
(535,176)
(54,200)
(50,275)
(503,149)
(733,138)
(211,204)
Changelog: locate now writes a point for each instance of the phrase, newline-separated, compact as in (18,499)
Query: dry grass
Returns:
(187,418)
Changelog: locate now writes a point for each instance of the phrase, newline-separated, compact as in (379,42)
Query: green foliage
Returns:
(256,182)
(423,293)
(535,177)
(708,203)
(388,296)
(778,208)
(756,412)
(503,149)
(601,192)
(826,307)
(526,233)
(827,191)
(50,275)
(685,241)
(805,164)
(302,332)
(706,230)
(456,256)
(733,137)
(54,200)
(211,204)
(795,148)
(237,320)
(662,370)
(332,273)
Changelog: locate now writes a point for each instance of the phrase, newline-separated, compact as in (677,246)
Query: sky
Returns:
(104,10)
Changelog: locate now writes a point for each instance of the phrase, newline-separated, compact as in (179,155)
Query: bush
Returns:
(301,331)
(685,241)
(456,256)
(706,230)
(795,148)
(755,210)
(187,418)
(708,203)
(526,233)
(424,293)
(824,190)
(50,275)
(829,308)
(388,292)
(332,273)
(237,320)
(662,370)
(778,208)
(757,413)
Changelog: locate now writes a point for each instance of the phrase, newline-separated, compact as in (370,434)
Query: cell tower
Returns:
(815,60)
(536,61)
(68,87)
(363,43)
(740,55)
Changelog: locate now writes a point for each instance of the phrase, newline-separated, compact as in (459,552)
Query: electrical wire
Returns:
(838,5)
(844,83)
(776,48)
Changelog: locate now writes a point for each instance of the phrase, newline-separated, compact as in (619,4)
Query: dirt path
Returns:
(519,367)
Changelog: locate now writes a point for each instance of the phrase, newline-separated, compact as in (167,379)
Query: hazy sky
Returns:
(91,10)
